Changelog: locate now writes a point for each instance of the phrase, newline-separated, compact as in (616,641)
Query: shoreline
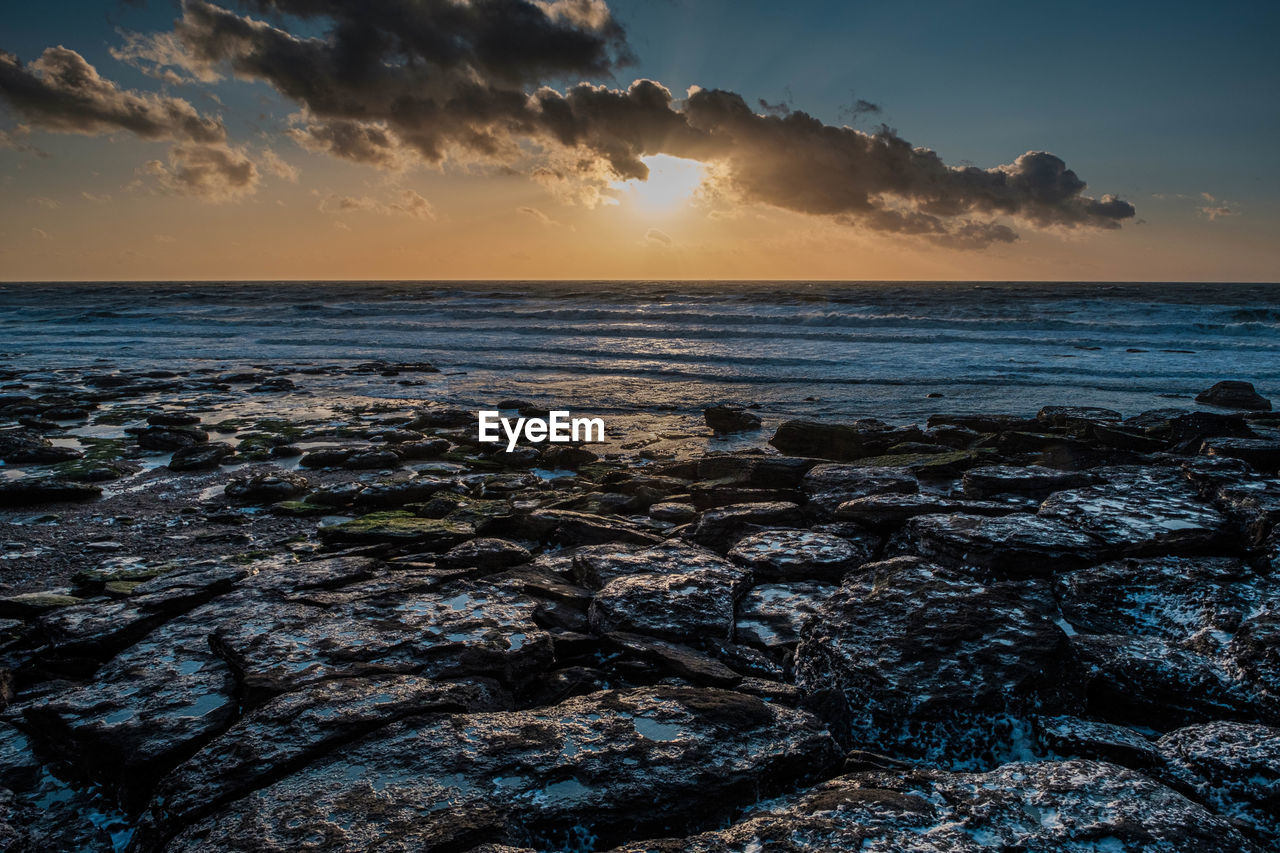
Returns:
(222,621)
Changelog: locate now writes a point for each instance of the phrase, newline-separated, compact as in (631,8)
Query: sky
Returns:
(579,139)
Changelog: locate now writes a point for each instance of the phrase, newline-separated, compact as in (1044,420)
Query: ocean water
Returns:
(797,349)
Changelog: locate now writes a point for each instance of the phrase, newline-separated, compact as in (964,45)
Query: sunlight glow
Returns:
(672,182)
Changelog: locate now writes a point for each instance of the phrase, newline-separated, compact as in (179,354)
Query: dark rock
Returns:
(426,449)
(673,606)
(1252,503)
(268,487)
(1188,432)
(102,629)
(673,511)
(371,459)
(681,660)
(727,419)
(170,438)
(612,765)
(1195,602)
(1148,681)
(485,553)
(1233,394)
(559,456)
(597,565)
(840,442)
(891,510)
(770,472)
(580,528)
(926,466)
(337,495)
(200,457)
(1261,453)
(1015,545)
(771,615)
(20,447)
(1140,512)
(925,662)
(1254,652)
(1235,768)
(394,495)
(1079,738)
(173,419)
(145,710)
(1156,422)
(1031,481)
(718,528)
(292,730)
(1046,807)
(389,627)
(829,486)
(325,457)
(797,554)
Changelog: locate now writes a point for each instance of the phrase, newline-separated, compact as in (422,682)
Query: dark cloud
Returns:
(403,81)
(62,92)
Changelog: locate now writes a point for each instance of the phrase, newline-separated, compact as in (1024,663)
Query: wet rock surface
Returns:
(236,615)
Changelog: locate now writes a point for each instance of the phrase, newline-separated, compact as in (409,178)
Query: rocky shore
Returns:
(238,614)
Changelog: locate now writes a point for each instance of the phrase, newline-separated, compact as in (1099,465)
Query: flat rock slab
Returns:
(292,730)
(1234,767)
(1196,602)
(1148,681)
(1014,545)
(673,606)
(147,708)
(892,510)
(1261,453)
(461,630)
(612,763)
(1253,503)
(1147,513)
(922,661)
(1076,737)
(1031,481)
(596,565)
(827,486)
(105,627)
(1048,807)
(772,614)
(720,528)
(794,554)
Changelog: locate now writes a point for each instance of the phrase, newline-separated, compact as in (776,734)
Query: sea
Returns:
(894,350)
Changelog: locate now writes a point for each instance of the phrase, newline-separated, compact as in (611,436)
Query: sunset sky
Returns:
(444,139)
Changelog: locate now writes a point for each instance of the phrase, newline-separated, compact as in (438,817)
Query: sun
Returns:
(672,182)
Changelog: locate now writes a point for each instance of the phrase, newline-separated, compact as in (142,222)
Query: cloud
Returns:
(278,166)
(95,199)
(217,173)
(1216,207)
(61,92)
(47,203)
(407,202)
(12,140)
(40,234)
(404,82)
